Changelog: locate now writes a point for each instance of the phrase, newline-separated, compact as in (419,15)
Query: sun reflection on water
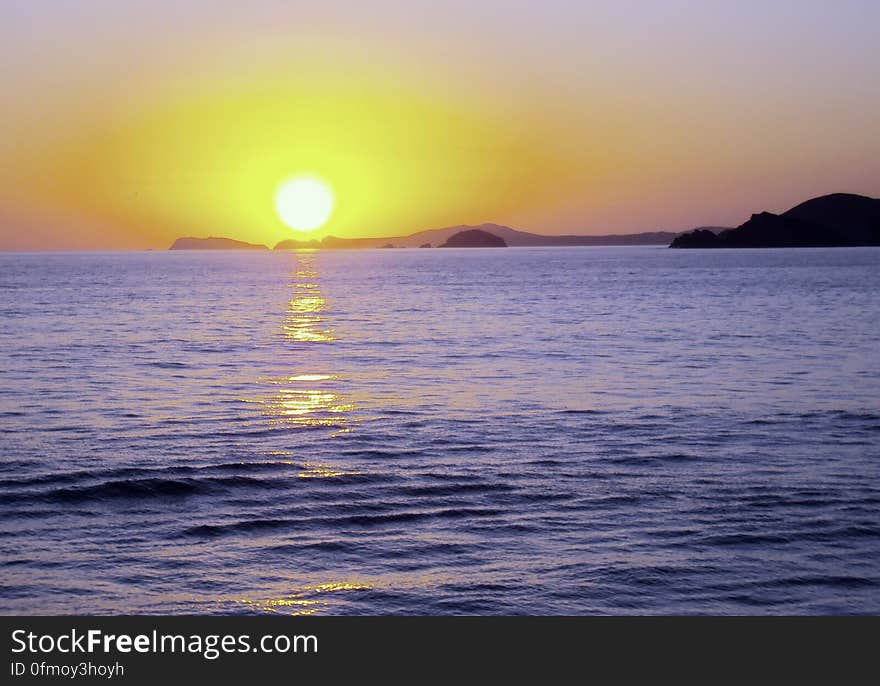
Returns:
(320,470)
(304,601)
(297,405)
(304,321)
(307,399)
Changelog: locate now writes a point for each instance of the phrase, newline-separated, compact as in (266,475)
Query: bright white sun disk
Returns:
(304,203)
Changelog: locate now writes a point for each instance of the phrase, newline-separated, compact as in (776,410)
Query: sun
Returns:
(304,203)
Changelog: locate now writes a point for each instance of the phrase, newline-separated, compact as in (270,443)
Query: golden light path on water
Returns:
(306,400)
(304,321)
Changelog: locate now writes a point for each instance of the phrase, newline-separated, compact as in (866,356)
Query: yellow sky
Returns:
(128,127)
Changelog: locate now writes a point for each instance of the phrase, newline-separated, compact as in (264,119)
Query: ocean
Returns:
(511,431)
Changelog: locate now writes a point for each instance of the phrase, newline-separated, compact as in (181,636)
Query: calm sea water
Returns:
(542,431)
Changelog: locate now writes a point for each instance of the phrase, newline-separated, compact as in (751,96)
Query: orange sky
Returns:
(125,125)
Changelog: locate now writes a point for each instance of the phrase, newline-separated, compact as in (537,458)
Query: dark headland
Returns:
(213,243)
(829,221)
(474,238)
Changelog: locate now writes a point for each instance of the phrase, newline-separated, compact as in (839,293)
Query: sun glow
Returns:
(304,203)
(379,160)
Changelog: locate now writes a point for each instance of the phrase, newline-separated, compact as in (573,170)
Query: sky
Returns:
(124,125)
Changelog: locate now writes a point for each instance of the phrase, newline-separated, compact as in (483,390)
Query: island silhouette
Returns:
(512,237)
(214,243)
(474,238)
(835,220)
(436,237)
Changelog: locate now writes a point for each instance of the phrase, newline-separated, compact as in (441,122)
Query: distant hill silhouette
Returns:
(292,244)
(836,220)
(710,229)
(512,237)
(213,243)
(474,238)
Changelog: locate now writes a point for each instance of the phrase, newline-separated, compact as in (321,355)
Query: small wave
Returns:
(153,487)
(839,581)
(645,460)
(457,489)
(250,526)
(744,539)
(144,473)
